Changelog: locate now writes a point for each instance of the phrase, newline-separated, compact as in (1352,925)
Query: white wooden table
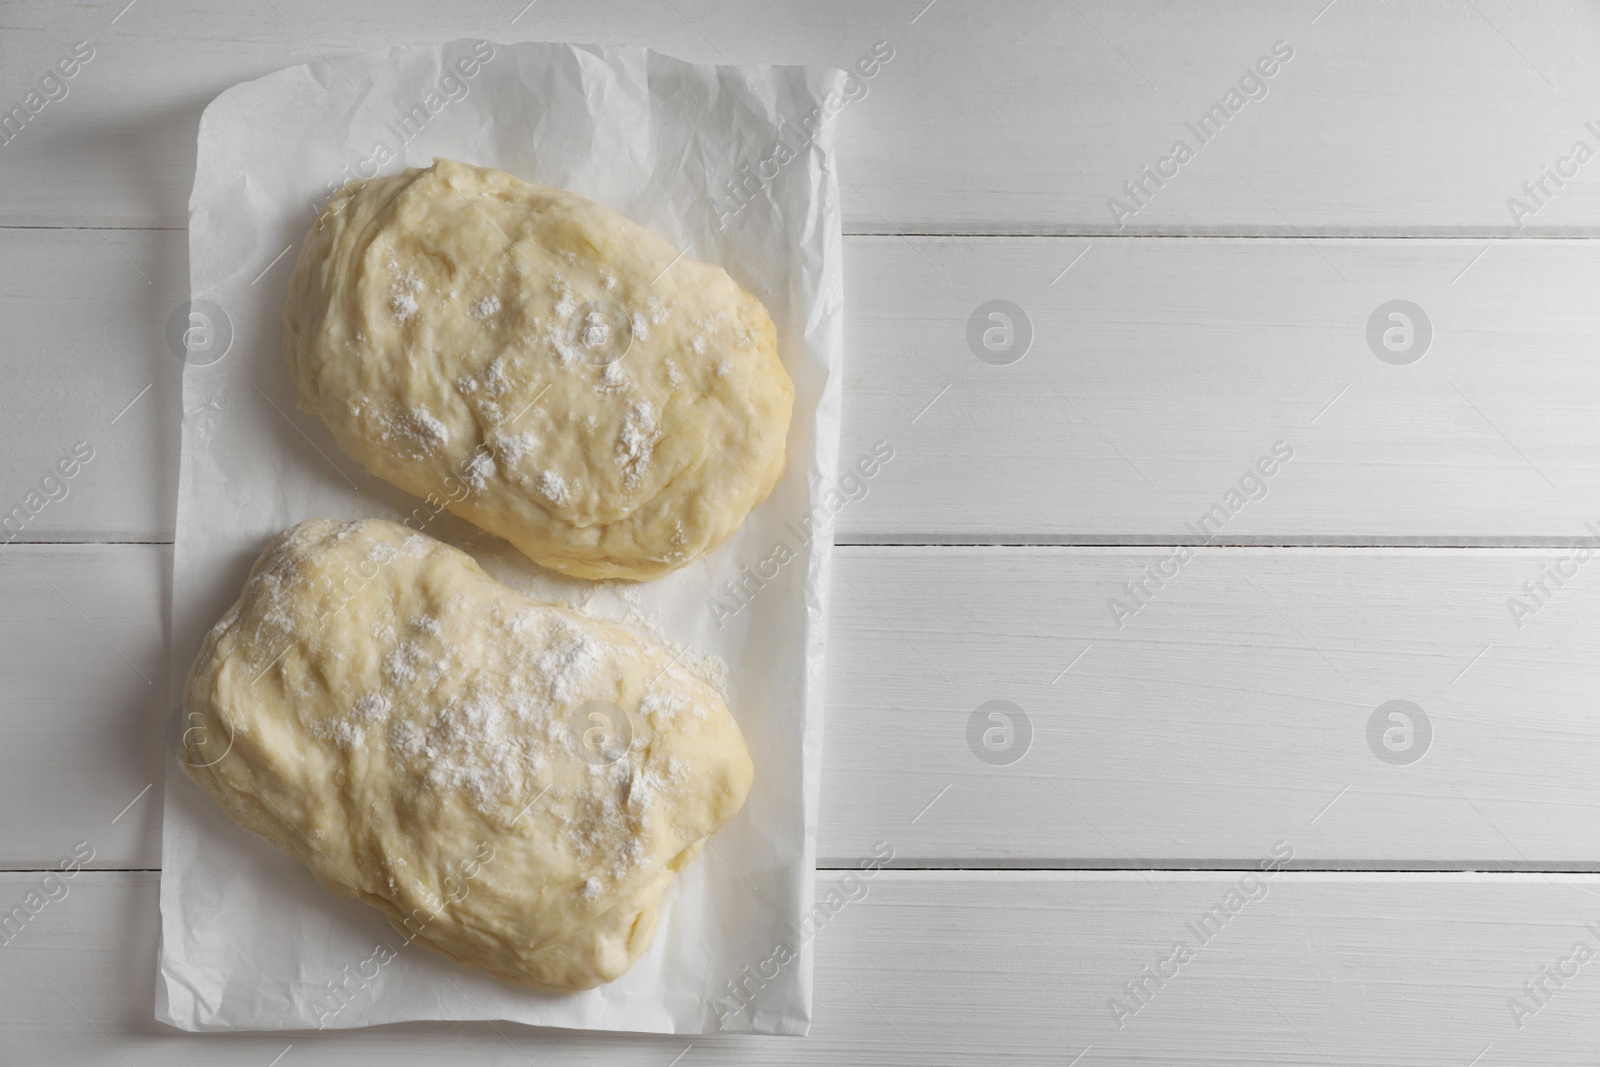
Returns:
(1174,343)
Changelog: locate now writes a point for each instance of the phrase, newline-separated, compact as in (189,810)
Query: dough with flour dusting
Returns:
(458,755)
(539,365)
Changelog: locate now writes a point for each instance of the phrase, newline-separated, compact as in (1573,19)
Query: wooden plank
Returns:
(1232,708)
(1230,711)
(87,364)
(1387,119)
(83,650)
(964,967)
(1160,371)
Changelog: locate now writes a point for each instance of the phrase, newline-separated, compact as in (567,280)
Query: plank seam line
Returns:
(1544,541)
(1285,235)
(1022,868)
(836,866)
(112,228)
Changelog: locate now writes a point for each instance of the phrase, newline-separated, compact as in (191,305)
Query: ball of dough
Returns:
(514,784)
(539,365)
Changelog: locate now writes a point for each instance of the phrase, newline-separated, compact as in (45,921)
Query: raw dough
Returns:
(539,365)
(424,738)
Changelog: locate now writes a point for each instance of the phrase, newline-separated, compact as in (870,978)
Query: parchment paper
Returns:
(249,941)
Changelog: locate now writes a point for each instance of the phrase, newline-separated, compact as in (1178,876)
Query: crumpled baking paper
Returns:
(735,165)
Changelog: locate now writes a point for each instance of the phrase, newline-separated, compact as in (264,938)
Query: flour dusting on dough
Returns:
(479,469)
(637,443)
(554,488)
(424,429)
(512,447)
(403,294)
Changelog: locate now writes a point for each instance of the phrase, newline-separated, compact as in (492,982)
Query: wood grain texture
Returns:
(83,650)
(1161,369)
(1228,713)
(965,967)
(1022,118)
(86,359)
